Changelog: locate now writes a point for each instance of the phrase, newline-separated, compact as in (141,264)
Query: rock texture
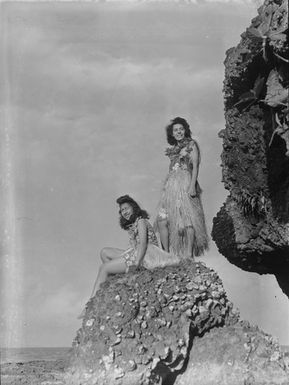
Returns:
(251,230)
(235,355)
(33,373)
(141,328)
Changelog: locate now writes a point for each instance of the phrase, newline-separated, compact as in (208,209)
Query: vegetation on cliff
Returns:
(251,230)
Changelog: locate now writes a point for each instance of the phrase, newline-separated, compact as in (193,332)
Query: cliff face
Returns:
(151,327)
(251,230)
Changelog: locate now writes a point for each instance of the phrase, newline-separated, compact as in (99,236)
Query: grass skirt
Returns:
(182,211)
(154,257)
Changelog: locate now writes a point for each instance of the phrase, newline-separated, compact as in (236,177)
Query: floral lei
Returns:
(174,151)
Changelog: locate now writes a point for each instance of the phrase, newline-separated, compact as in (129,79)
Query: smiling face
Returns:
(126,210)
(178,132)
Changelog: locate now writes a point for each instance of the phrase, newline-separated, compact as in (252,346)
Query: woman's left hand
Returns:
(133,269)
(192,192)
(138,264)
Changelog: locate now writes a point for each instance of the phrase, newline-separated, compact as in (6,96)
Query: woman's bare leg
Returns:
(109,253)
(190,241)
(164,233)
(115,266)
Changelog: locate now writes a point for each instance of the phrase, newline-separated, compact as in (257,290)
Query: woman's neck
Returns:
(182,142)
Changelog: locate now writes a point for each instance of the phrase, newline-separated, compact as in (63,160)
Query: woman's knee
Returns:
(190,231)
(104,254)
(162,223)
(103,269)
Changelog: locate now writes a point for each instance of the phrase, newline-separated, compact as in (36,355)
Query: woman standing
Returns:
(180,219)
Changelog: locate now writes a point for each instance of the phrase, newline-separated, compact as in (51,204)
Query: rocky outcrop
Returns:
(235,355)
(33,373)
(251,230)
(147,327)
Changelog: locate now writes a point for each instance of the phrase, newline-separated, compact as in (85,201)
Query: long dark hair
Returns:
(137,212)
(169,130)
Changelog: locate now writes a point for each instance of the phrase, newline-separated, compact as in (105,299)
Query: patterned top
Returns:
(134,235)
(180,155)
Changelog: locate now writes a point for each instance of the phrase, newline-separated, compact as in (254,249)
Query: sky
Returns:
(87,89)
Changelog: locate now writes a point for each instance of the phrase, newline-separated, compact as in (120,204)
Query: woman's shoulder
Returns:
(141,224)
(193,145)
(140,221)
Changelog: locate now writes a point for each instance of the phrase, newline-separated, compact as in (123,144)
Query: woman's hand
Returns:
(133,269)
(138,263)
(192,191)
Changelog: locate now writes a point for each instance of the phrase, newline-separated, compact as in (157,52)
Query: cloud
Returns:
(60,305)
(127,3)
(93,67)
(92,87)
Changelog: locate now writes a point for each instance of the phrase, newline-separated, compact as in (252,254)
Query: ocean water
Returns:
(49,354)
(32,354)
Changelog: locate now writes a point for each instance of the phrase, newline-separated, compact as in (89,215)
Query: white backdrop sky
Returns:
(89,90)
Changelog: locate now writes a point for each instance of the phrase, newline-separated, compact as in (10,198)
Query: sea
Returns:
(49,354)
(33,354)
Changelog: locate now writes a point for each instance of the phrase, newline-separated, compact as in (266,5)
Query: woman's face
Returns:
(126,211)
(178,132)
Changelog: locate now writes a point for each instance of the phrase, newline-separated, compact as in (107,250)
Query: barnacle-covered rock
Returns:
(140,339)
(252,228)
(143,347)
(235,355)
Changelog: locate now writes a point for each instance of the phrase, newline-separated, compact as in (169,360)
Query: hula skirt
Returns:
(182,211)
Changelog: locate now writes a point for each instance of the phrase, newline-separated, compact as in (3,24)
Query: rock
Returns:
(33,373)
(223,356)
(252,228)
(175,345)
(157,344)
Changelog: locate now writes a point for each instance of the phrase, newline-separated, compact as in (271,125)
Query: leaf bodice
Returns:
(134,235)
(180,155)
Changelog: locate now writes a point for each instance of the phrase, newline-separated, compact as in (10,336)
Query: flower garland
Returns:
(174,151)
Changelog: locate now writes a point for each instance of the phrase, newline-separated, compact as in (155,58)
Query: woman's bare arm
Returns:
(195,160)
(143,241)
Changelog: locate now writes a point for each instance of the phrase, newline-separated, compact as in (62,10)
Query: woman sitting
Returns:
(144,249)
